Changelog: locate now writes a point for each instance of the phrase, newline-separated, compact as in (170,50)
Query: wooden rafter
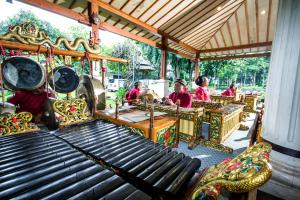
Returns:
(56,51)
(141,24)
(195,21)
(205,28)
(58,9)
(207,35)
(224,24)
(246,46)
(219,18)
(116,22)
(167,12)
(236,56)
(72,4)
(257,20)
(108,18)
(175,14)
(171,24)
(124,15)
(238,28)
(230,34)
(157,11)
(247,21)
(269,19)
(180,53)
(145,11)
(84,19)
(124,4)
(136,7)
(113,29)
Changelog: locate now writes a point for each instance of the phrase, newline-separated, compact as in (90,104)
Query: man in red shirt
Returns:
(134,93)
(230,91)
(180,94)
(31,101)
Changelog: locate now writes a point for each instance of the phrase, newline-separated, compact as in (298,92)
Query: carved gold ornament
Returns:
(68,112)
(29,33)
(244,173)
(16,123)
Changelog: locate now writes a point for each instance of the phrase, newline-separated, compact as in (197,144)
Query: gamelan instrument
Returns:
(92,90)
(41,166)
(22,73)
(100,160)
(149,95)
(7,108)
(63,79)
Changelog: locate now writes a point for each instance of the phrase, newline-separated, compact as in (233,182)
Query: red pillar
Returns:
(95,21)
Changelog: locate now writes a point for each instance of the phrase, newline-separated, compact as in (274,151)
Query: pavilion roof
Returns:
(191,28)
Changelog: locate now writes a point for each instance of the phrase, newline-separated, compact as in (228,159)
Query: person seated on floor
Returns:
(231,91)
(179,95)
(202,92)
(134,93)
(31,101)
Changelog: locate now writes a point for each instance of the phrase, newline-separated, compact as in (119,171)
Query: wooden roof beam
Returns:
(181,54)
(254,45)
(84,19)
(113,29)
(104,26)
(142,24)
(58,10)
(56,51)
(236,56)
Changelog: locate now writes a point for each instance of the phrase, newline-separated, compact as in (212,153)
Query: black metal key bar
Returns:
(153,168)
(42,166)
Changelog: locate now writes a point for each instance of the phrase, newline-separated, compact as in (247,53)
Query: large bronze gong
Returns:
(63,79)
(22,73)
(92,90)
(51,121)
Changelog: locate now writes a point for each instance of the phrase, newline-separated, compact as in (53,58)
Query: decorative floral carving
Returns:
(29,33)
(72,111)
(244,173)
(166,136)
(16,123)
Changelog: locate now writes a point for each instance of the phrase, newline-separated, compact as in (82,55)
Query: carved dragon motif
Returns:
(29,33)
(244,173)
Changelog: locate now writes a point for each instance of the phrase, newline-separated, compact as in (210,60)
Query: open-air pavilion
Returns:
(202,30)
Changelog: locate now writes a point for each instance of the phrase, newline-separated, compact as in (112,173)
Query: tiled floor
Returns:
(238,140)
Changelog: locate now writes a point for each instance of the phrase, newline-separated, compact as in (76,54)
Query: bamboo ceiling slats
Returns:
(191,26)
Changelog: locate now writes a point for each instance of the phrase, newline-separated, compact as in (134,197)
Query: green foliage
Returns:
(27,16)
(153,55)
(246,71)
(121,92)
(126,50)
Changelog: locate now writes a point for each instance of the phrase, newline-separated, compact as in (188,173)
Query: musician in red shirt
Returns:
(31,101)
(202,92)
(134,93)
(230,91)
(180,94)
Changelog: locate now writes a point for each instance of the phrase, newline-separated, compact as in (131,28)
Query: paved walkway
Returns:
(238,140)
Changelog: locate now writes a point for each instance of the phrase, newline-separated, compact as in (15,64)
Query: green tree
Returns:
(27,16)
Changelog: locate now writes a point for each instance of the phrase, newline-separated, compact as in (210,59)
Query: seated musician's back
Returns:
(202,92)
